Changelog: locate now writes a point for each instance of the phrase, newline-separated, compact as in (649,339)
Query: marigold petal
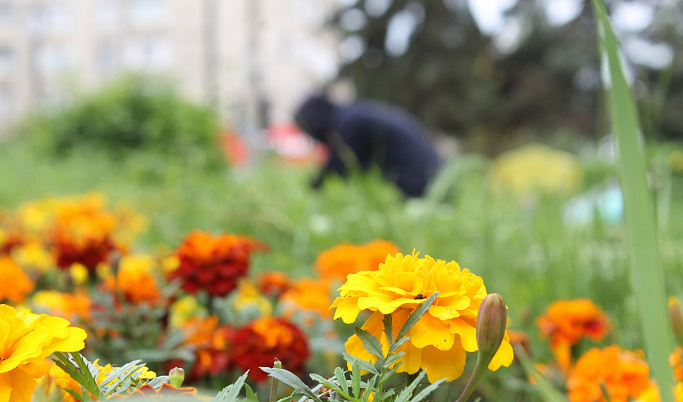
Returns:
(346,309)
(443,364)
(23,386)
(503,356)
(467,332)
(5,387)
(431,331)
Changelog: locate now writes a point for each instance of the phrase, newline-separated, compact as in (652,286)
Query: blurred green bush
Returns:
(134,114)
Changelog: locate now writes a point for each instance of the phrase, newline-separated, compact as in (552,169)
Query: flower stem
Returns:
(274,383)
(479,370)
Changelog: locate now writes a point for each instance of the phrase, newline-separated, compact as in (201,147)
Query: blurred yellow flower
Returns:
(652,394)
(33,254)
(248,296)
(66,305)
(440,339)
(17,283)
(184,309)
(79,273)
(536,168)
(136,280)
(27,340)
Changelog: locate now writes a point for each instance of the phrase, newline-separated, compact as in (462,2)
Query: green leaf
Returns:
(331,384)
(232,391)
(393,358)
(428,390)
(416,315)
(371,343)
(341,378)
(355,377)
(291,381)
(368,389)
(80,370)
(388,328)
(408,391)
(251,395)
(364,365)
(647,275)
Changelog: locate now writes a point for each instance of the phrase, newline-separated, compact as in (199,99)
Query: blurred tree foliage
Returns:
(134,114)
(531,80)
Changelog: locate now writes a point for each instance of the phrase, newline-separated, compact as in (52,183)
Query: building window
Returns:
(107,16)
(50,18)
(6,12)
(148,13)
(154,52)
(6,61)
(54,60)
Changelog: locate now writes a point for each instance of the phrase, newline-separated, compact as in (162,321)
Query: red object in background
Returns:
(235,148)
(293,145)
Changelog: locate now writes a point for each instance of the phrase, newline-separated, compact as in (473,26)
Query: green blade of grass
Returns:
(646,270)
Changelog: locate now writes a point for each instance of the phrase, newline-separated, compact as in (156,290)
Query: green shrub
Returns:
(133,114)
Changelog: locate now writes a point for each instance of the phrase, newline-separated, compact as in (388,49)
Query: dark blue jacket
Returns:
(374,134)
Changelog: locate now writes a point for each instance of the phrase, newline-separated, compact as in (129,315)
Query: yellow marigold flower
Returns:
(308,294)
(27,340)
(346,258)
(21,285)
(440,339)
(536,168)
(248,296)
(32,254)
(79,273)
(623,373)
(652,394)
(183,310)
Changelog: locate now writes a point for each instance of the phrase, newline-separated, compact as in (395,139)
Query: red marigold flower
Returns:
(622,373)
(260,342)
(211,344)
(346,258)
(214,263)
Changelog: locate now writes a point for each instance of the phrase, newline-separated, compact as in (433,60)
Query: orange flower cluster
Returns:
(308,294)
(624,374)
(260,342)
(135,279)
(17,284)
(273,283)
(214,263)
(346,258)
(566,322)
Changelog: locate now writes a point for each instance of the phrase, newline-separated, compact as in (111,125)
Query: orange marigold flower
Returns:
(622,373)
(135,279)
(211,345)
(346,258)
(566,322)
(260,342)
(273,283)
(214,263)
(72,306)
(308,294)
(676,362)
(18,285)
(572,320)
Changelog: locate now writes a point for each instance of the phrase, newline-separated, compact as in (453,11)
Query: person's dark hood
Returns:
(314,116)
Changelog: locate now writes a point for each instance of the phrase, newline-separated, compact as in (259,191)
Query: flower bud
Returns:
(176,377)
(676,317)
(491,323)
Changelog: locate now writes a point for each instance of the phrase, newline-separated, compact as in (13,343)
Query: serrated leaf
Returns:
(371,343)
(355,378)
(329,383)
(428,390)
(291,381)
(387,394)
(364,365)
(368,389)
(232,391)
(388,328)
(341,379)
(416,315)
(397,345)
(388,374)
(404,396)
(393,358)
(251,395)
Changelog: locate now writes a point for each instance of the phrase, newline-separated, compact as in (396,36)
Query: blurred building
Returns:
(252,59)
